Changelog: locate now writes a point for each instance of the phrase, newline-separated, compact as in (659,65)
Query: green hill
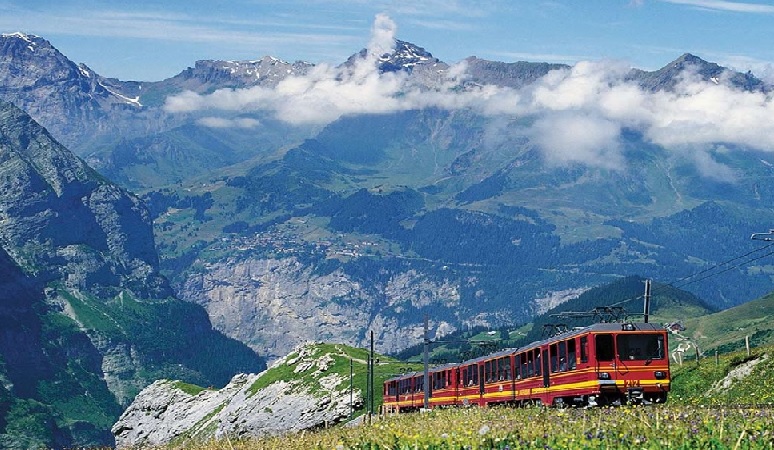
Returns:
(726,330)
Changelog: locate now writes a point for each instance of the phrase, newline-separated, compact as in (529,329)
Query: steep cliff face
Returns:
(61,221)
(305,389)
(272,304)
(87,320)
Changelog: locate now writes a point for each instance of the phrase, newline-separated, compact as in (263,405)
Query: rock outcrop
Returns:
(312,394)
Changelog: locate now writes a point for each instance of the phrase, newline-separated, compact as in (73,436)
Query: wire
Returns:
(721,264)
(729,268)
(724,263)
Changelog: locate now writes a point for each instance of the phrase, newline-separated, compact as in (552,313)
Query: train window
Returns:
(604,347)
(554,357)
(519,368)
(504,368)
(562,356)
(490,367)
(472,378)
(584,349)
(537,362)
(530,363)
(438,380)
(571,354)
(640,346)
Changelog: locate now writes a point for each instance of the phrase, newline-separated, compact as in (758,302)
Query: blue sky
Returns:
(151,40)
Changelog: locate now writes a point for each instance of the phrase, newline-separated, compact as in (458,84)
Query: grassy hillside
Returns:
(734,378)
(384,368)
(726,330)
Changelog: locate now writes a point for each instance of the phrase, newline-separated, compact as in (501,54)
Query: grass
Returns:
(694,384)
(190,389)
(505,428)
(732,325)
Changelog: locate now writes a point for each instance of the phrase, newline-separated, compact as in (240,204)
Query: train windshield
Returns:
(640,346)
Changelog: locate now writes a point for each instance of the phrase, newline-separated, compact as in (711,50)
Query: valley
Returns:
(208,224)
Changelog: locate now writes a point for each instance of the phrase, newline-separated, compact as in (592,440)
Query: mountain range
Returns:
(284,227)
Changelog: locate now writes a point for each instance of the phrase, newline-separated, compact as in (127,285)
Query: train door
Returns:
(457,383)
(604,349)
(481,381)
(546,367)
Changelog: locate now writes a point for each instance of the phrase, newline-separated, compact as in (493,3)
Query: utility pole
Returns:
(647,301)
(371,376)
(427,370)
(368,389)
(351,370)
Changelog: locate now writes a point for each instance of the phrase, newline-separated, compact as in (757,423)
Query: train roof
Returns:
(495,355)
(601,327)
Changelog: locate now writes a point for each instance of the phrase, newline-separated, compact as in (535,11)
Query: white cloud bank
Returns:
(578,113)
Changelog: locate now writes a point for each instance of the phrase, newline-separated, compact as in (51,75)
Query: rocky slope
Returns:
(304,390)
(87,318)
(263,302)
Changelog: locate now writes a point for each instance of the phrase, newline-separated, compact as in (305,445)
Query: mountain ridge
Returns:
(100,108)
(87,318)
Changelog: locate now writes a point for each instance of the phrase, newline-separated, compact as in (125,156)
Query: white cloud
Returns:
(570,137)
(577,114)
(710,168)
(220,122)
(722,5)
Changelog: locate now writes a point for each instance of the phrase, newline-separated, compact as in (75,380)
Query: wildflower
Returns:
(483,430)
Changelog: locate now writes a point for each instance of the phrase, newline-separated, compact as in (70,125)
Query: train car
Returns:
(406,391)
(487,380)
(605,363)
(403,393)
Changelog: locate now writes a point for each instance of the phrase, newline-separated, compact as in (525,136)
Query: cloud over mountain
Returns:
(577,114)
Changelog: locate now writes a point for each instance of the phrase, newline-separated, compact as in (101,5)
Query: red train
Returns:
(605,363)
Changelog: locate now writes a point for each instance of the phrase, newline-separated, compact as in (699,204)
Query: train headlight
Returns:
(627,327)
(659,374)
(603,376)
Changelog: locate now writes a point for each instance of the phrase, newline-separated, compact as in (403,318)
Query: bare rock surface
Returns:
(251,405)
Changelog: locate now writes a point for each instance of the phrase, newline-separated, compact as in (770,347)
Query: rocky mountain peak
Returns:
(267,71)
(668,76)
(71,100)
(404,57)
(27,61)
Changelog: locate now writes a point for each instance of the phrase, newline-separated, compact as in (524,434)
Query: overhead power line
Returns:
(690,279)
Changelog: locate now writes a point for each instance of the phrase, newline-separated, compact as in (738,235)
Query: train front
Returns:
(632,363)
